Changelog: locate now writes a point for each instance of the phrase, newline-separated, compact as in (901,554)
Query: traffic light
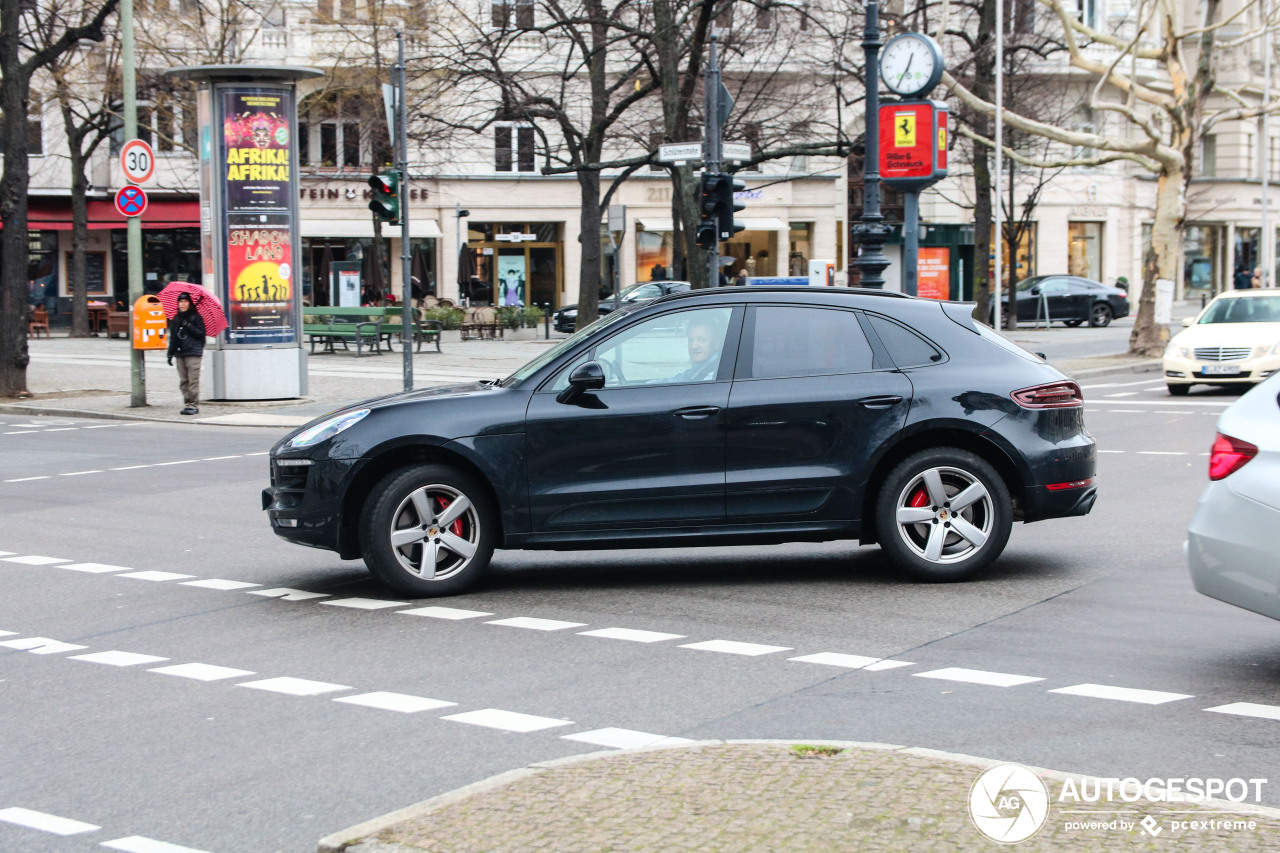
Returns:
(708,209)
(706,236)
(716,208)
(726,206)
(386,196)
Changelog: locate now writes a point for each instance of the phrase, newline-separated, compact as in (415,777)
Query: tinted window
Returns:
(807,342)
(906,348)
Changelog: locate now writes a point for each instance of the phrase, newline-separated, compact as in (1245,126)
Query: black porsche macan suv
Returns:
(720,416)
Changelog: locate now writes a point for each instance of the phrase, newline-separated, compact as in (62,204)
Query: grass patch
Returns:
(805,750)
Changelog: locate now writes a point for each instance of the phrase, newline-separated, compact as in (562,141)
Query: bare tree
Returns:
(31,38)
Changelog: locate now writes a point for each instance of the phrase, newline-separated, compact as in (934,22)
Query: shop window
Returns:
(1084,252)
(513,148)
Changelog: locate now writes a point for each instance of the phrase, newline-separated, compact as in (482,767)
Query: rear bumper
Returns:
(1044,503)
(1233,550)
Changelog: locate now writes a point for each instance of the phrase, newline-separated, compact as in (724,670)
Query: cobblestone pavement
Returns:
(768,797)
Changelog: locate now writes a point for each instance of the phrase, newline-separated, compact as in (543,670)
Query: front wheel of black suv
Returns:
(427,530)
(943,514)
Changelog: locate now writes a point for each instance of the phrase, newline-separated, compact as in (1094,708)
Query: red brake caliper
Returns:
(456,527)
(920,498)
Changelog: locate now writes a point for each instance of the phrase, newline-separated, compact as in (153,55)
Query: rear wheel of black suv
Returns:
(427,530)
(943,514)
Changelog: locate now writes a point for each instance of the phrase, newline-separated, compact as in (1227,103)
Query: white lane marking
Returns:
(218,583)
(259,453)
(978,676)
(141,844)
(436,612)
(101,426)
(631,634)
(1162,402)
(29,479)
(20,432)
(402,702)
(179,462)
(836,659)
(8,633)
(508,721)
(1128,412)
(732,647)
(365,603)
(1162,453)
(78,473)
(50,823)
(624,738)
(202,671)
(216,458)
(41,646)
(887,664)
(34,560)
(1122,694)
(1124,394)
(285,594)
(132,467)
(1122,384)
(294,686)
(7,553)
(155,576)
(1249,709)
(536,624)
(1111,451)
(95,568)
(60,429)
(118,658)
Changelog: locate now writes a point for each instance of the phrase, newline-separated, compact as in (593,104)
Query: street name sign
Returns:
(680,152)
(736,151)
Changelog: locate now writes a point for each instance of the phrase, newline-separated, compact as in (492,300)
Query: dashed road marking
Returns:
(880,666)
(294,686)
(1122,694)
(978,676)
(508,721)
(155,576)
(118,658)
(29,479)
(401,702)
(285,594)
(1162,453)
(624,738)
(364,603)
(34,560)
(202,671)
(218,583)
(533,624)
(732,647)
(631,634)
(45,822)
(836,659)
(95,568)
(451,613)
(1249,709)
(41,646)
(80,473)
(141,844)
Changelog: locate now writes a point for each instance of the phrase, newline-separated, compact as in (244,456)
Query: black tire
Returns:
(1100,315)
(463,544)
(953,554)
(1072,323)
(1179,390)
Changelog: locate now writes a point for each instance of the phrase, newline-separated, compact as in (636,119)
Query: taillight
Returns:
(1054,395)
(1124,294)
(1228,456)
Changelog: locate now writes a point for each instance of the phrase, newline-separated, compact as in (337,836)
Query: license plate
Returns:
(1220,370)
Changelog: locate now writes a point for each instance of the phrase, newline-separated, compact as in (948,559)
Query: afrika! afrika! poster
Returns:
(258,142)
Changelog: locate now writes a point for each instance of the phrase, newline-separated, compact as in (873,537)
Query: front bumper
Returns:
(1188,371)
(1233,550)
(304,503)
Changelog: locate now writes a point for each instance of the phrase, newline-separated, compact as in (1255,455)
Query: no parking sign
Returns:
(131,201)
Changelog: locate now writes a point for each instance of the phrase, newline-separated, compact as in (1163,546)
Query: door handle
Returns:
(882,401)
(696,413)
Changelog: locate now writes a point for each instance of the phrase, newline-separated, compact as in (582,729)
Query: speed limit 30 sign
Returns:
(137,161)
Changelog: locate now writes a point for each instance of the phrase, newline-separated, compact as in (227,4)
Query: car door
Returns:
(647,450)
(811,399)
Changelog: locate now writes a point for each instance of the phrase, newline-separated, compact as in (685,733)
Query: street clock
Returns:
(911,64)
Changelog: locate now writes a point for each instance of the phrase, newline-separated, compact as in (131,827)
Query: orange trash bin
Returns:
(150,325)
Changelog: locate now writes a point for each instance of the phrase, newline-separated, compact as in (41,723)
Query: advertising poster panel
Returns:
(258,212)
(935,273)
(511,279)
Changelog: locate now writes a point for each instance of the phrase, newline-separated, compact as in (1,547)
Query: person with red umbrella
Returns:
(186,344)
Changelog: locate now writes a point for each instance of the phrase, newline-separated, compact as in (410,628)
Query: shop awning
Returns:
(766,224)
(363,227)
(54,214)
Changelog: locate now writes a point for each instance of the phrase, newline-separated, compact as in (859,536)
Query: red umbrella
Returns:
(208,306)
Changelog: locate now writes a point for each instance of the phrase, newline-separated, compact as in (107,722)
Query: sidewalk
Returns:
(734,797)
(89,377)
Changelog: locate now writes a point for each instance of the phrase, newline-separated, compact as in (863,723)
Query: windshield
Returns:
(1247,309)
(641,291)
(1028,283)
(553,352)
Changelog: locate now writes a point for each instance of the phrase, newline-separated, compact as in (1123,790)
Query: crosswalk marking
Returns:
(141,844)
(1121,694)
(509,721)
(95,568)
(46,822)
(534,624)
(285,594)
(154,576)
(1249,709)
(732,647)
(202,671)
(218,583)
(978,676)
(631,634)
(402,702)
(294,686)
(624,738)
(41,646)
(451,613)
(34,560)
(116,658)
(364,603)
(837,659)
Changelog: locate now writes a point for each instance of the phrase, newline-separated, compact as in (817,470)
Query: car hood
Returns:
(1228,335)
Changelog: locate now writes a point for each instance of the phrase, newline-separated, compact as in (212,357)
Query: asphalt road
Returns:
(299,699)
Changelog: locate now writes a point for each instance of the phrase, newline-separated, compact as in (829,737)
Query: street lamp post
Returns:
(458,213)
(871,233)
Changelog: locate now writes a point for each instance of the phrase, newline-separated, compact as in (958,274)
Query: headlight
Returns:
(1172,350)
(328,429)
(1267,349)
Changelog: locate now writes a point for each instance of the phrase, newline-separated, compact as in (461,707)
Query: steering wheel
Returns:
(613,375)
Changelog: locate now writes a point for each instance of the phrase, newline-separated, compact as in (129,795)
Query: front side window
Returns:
(807,342)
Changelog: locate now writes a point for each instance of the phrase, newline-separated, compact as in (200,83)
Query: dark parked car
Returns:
(730,415)
(566,319)
(1069,299)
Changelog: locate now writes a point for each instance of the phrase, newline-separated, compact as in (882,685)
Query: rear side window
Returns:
(906,348)
(807,342)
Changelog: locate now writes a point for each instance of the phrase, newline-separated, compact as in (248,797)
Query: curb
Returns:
(55,411)
(347,839)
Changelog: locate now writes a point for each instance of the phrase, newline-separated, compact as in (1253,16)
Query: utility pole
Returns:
(133,227)
(712,155)
(871,233)
(406,257)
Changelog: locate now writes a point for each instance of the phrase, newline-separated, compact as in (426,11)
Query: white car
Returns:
(1235,340)
(1233,544)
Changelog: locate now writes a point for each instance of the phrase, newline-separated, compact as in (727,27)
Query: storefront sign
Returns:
(934,273)
(1088,210)
(259,208)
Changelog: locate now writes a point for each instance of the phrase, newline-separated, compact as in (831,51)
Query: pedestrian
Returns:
(186,344)
(1256,281)
(1242,279)
(741,278)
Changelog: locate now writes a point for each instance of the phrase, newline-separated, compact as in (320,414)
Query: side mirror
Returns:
(1187,321)
(585,377)
(1035,291)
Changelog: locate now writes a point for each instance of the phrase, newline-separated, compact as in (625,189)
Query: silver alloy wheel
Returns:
(954,520)
(434,532)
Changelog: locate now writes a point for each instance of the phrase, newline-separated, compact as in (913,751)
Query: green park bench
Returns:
(423,330)
(329,325)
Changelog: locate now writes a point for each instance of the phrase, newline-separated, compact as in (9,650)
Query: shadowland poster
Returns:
(259,205)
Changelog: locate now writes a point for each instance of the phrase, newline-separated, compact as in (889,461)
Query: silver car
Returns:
(1233,544)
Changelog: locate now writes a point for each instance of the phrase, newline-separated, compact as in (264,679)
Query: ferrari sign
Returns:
(913,150)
